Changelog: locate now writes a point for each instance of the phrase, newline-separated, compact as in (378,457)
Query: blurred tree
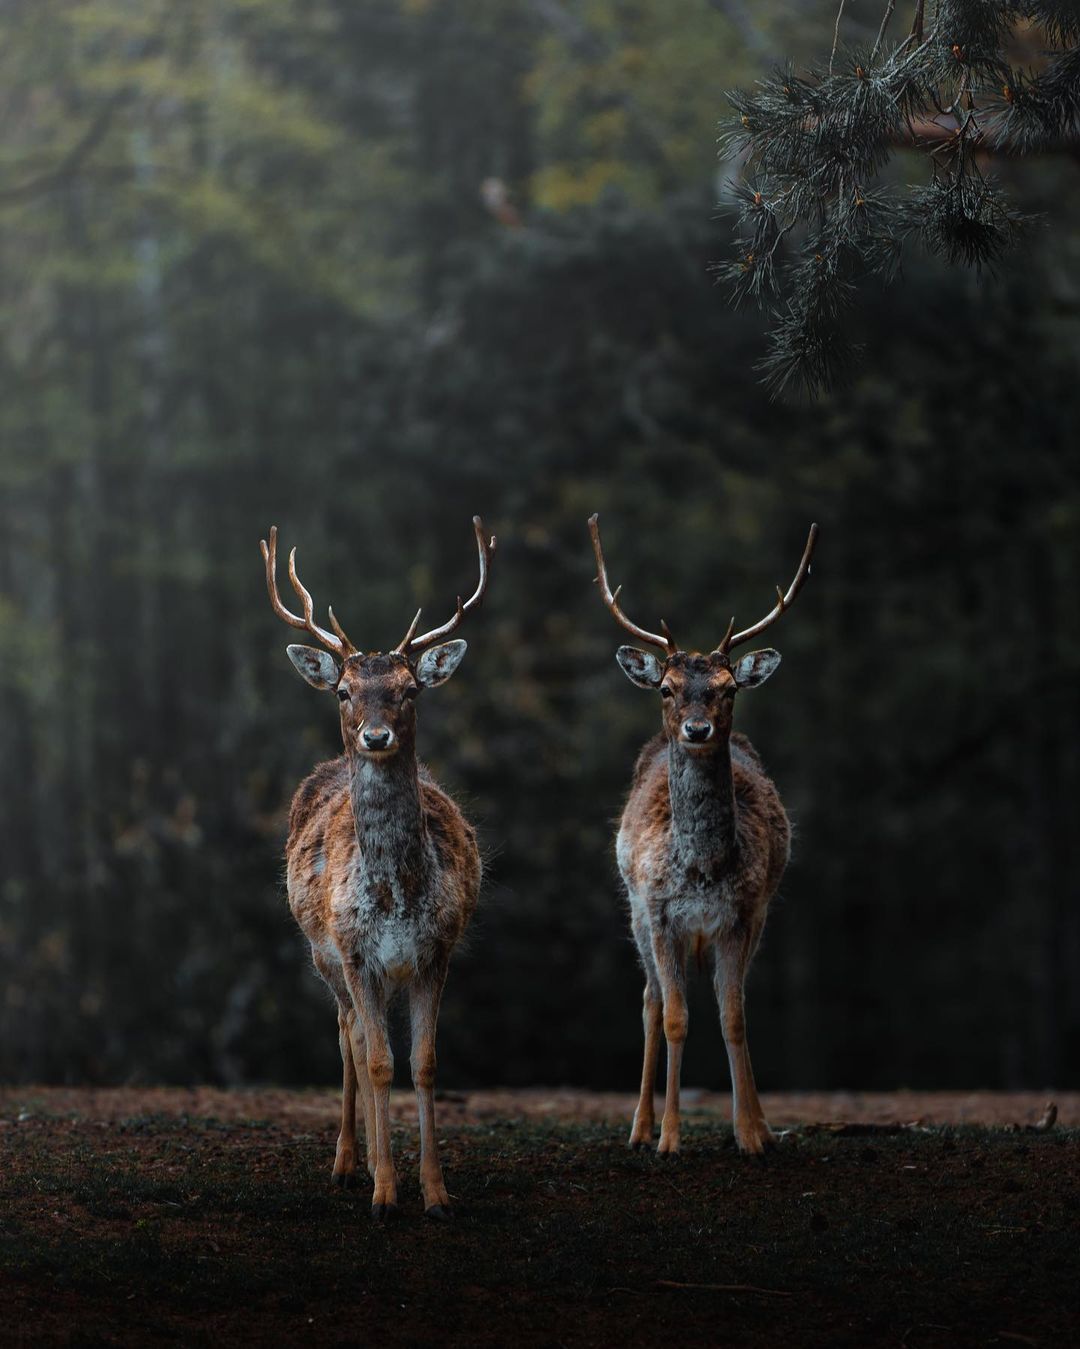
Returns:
(248,277)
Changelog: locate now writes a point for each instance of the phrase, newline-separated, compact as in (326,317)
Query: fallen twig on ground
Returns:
(1042,1125)
(846,1129)
(725,1288)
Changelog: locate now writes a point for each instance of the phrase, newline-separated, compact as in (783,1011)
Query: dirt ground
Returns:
(137,1216)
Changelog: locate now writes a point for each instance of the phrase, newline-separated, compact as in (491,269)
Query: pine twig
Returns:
(881,31)
(836,35)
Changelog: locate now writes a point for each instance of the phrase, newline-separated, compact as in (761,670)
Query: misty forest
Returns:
(362,271)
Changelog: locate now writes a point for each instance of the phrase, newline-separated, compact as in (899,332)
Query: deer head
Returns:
(698,690)
(376,692)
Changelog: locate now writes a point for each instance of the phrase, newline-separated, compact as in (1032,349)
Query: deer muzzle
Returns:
(697,731)
(376,739)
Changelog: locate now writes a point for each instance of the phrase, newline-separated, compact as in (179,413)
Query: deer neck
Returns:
(702,809)
(387,815)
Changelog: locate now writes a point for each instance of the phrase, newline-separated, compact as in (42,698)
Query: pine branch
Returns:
(814,145)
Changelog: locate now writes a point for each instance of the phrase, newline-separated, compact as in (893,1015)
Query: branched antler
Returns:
(663,638)
(410,643)
(783,601)
(339,644)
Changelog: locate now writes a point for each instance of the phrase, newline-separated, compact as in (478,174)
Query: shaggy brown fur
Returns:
(383,877)
(383,870)
(702,846)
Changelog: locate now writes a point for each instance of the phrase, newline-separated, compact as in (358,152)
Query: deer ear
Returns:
(755,668)
(640,667)
(438,663)
(319,668)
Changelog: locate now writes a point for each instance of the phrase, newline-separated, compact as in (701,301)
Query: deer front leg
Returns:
(424,1000)
(732,959)
(345,1156)
(670,959)
(369,999)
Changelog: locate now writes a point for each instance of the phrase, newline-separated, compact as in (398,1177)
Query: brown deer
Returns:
(383,871)
(702,845)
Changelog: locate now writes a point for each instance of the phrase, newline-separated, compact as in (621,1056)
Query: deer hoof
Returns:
(381,1212)
(755,1138)
(345,1180)
(641,1136)
(441,1213)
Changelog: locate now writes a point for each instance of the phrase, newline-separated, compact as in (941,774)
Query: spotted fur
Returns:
(702,846)
(383,877)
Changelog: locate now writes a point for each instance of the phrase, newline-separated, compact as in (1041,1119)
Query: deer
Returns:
(702,846)
(382,870)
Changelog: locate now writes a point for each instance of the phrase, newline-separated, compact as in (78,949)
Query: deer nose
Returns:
(696,731)
(376,737)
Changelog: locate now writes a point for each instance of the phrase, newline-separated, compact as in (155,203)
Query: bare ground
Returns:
(136,1216)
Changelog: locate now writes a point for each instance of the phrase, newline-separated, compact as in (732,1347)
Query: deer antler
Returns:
(410,643)
(663,639)
(340,644)
(783,601)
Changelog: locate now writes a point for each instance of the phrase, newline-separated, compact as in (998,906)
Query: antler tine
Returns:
(783,602)
(270,559)
(725,641)
(662,639)
(339,645)
(339,629)
(485,546)
(403,645)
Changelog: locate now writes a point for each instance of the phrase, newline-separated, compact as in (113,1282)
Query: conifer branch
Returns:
(812,222)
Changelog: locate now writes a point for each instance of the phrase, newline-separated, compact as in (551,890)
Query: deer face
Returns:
(698,692)
(377,693)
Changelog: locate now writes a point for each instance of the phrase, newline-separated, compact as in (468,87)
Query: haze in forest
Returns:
(364,270)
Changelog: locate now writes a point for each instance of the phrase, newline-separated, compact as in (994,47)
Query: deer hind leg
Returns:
(363,1084)
(345,1156)
(731,961)
(369,999)
(670,960)
(641,1132)
(424,999)
(354,1075)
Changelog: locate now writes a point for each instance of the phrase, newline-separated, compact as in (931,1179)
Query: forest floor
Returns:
(136,1217)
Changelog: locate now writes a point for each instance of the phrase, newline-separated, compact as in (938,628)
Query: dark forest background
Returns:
(250,273)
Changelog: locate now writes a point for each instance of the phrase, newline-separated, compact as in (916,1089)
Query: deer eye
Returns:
(344,695)
(666,691)
(410,693)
